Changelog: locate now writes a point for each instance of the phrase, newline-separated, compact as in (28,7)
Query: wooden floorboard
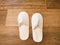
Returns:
(9,35)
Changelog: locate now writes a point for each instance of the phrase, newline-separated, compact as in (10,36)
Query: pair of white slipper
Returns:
(37,26)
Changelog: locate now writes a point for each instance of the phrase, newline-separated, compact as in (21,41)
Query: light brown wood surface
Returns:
(9,34)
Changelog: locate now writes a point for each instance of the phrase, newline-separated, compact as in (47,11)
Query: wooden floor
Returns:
(9,34)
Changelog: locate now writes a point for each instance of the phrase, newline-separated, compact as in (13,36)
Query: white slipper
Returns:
(23,22)
(37,27)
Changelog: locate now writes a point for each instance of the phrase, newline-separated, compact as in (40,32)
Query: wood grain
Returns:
(53,4)
(9,35)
